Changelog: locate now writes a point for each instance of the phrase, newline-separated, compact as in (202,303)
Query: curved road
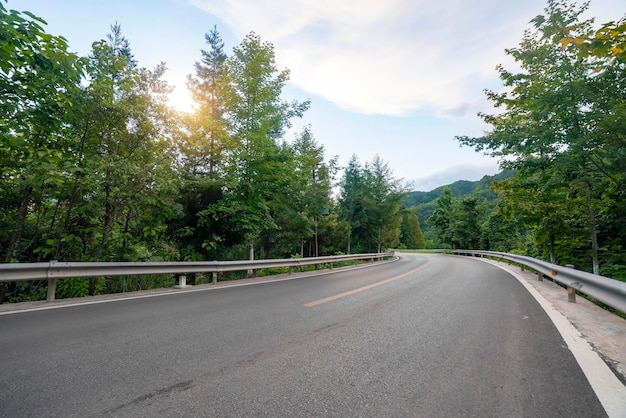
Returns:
(425,336)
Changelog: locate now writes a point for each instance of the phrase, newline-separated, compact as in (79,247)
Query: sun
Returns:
(181,100)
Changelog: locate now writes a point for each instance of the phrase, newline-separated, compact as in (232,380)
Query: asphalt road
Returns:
(425,336)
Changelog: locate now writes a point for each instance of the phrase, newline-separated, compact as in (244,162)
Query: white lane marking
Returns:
(361,289)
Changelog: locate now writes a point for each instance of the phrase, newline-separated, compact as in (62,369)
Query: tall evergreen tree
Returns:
(256,117)
(204,136)
(442,218)
(203,145)
(351,204)
(411,235)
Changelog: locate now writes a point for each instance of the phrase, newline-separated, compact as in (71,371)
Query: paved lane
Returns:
(443,336)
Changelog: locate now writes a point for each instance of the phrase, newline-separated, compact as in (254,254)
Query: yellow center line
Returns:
(361,289)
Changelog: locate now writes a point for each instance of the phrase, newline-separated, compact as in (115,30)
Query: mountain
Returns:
(424,202)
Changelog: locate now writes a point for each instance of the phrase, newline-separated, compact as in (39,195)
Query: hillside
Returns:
(424,202)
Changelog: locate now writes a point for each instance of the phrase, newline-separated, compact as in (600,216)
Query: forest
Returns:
(95,166)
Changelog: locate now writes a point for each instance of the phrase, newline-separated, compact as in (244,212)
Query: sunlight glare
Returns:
(181,100)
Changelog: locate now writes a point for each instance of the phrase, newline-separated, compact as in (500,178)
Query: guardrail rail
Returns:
(55,270)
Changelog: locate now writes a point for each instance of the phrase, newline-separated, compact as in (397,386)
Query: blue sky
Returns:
(397,78)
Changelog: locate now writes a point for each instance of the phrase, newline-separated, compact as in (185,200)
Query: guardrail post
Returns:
(182,282)
(214,277)
(540,276)
(522,267)
(52,284)
(571,294)
(290,269)
(331,265)
(52,290)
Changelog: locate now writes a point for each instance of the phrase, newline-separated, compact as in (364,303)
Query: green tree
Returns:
(122,190)
(539,199)
(351,203)
(441,219)
(202,143)
(553,112)
(37,78)
(466,223)
(205,139)
(411,235)
(504,234)
(382,205)
(92,169)
(256,117)
(311,193)
(370,201)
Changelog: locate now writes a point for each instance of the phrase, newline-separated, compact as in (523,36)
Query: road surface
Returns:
(424,336)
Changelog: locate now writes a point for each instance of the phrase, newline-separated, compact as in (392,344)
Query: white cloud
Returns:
(378,57)
(387,57)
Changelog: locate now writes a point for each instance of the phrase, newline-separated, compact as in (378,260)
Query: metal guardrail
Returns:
(606,290)
(54,270)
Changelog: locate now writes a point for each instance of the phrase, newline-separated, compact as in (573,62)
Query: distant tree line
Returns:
(96,167)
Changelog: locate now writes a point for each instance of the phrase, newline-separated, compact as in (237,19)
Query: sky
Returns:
(395,78)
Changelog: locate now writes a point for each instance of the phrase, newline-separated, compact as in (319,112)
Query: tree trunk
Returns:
(316,245)
(251,257)
(552,251)
(19,224)
(107,228)
(17,235)
(592,231)
(126,228)
(73,197)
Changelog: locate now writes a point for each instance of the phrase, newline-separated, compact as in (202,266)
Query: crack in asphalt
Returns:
(178,387)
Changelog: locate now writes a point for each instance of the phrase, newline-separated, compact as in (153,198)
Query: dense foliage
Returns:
(561,125)
(96,167)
